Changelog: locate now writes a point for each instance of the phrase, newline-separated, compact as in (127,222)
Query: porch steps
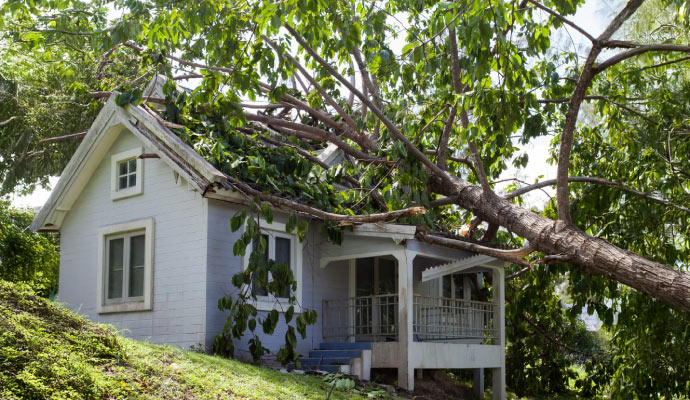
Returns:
(349,358)
(335,353)
(345,346)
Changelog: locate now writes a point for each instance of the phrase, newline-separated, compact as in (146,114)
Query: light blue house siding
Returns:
(193,260)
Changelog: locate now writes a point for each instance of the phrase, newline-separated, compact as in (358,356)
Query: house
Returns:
(146,246)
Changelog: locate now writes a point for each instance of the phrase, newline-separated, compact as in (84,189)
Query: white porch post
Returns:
(499,374)
(405,319)
(352,292)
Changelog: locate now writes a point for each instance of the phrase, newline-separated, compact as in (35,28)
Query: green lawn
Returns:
(47,352)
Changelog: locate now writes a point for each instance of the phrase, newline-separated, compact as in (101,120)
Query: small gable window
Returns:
(127,172)
(127,175)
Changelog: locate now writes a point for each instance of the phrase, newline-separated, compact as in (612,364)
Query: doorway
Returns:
(376,298)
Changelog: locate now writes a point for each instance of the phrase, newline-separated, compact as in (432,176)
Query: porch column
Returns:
(499,374)
(405,319)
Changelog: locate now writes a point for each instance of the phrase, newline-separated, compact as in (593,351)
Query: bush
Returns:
(27,257)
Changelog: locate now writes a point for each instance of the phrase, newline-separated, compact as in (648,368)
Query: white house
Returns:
(146,246)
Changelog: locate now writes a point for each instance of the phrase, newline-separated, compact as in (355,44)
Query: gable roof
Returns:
(110,122)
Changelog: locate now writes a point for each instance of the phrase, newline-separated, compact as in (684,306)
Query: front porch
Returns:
(420,306)
(435,319)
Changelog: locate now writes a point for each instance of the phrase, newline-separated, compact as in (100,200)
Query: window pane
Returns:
(457,278)
(446,286)
(259,291)
(123,168)
(283,251)
(136,265)
(364,276)
(132,165)
(122,182)
(283,256)
(387,275)
(115,270)
(132,180)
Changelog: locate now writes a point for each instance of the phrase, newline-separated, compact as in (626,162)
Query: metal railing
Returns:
(375,318)
(440,318)
(366,318)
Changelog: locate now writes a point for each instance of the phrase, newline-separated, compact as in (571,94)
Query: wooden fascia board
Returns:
(79,162)
(455,266)
(183,150)
(169,156)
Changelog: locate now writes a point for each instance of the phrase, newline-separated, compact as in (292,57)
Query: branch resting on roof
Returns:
(343,220)
(516,256)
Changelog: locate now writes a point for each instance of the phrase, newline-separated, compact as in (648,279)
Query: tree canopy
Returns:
(431,102)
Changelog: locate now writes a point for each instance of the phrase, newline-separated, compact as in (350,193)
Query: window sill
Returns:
(123,194)
(265,303)
(124,307)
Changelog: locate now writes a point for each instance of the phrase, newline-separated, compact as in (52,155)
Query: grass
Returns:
(48,352)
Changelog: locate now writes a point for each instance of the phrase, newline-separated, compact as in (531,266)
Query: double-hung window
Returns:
(126,263)
(126,174)
(283,249)
(278,248)
(125,266)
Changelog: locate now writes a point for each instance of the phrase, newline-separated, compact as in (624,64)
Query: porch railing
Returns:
(440,318)
(366,318)
(375,318)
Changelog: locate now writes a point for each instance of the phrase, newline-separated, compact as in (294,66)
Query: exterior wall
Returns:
(317,284)
(429,288)
(179,280)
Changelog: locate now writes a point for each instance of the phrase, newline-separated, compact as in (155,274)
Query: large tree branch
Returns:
(598,181)
(349,129)
(641,49)
(442,151)
(396,133)
(592,255)
(583,83)
(563,20)
(293,206)
(513,256)
(316,133)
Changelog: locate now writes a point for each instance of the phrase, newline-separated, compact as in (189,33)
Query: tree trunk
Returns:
(595,256)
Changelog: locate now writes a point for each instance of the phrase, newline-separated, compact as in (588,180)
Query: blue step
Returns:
(326,361)
(346,346)
(335,353)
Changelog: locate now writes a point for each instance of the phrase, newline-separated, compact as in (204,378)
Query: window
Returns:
(279,249)
(126,264)
(283,248)
(126,171)
(127,174)
(453,286)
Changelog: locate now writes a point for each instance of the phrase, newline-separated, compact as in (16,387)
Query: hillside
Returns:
(48,352)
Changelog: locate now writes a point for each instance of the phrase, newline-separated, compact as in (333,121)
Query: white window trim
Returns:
(281,304)
(138,189)
(142,303)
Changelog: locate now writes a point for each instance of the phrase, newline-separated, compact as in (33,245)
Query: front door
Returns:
(376,291)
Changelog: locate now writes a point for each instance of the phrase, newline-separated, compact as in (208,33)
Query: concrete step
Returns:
(326,361)
(335,353)
(345,346)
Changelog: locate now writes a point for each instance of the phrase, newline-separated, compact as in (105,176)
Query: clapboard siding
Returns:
(179,279)
(222,264)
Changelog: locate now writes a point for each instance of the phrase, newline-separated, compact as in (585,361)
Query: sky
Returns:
(592,16)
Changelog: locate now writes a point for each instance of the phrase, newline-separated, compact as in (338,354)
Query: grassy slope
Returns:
(48,352)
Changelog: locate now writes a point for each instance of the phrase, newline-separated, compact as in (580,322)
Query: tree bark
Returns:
(593,255)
